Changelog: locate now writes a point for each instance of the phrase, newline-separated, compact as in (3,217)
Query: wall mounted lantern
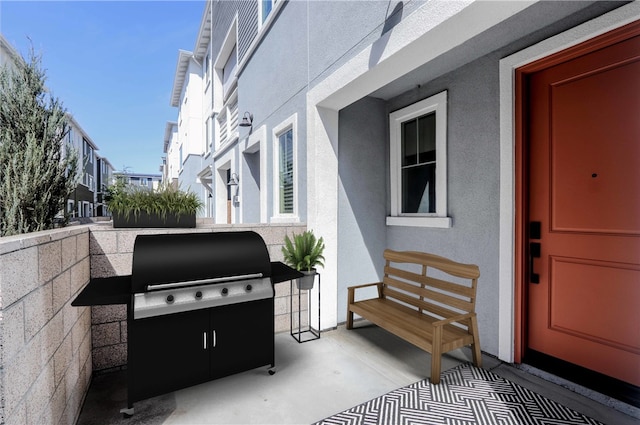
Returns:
(247,120)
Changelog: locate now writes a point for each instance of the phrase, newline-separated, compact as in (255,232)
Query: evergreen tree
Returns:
(38,171)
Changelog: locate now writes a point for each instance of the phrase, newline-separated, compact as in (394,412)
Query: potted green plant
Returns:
(304,253)
(167,206)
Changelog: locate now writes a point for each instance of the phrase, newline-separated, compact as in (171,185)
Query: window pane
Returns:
(419,189)
(427,138)
(267,5)
(286,172)
(409,143)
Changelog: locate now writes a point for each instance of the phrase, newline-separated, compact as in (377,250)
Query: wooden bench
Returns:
(434,314)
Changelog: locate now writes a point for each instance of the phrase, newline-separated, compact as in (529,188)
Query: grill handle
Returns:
(204,335)
(203,281)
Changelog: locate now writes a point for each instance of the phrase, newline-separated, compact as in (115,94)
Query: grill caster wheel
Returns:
(127,412)
(272,371)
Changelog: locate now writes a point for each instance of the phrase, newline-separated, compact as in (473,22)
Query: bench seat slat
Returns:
(409,324)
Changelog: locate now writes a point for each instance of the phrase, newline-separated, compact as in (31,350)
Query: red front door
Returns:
(583,133)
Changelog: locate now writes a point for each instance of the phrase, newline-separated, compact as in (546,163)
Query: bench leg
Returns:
(349,319)
(350,299)
(436,355)
(475,347)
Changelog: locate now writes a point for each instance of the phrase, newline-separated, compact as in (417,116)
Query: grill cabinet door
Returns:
(243,337)
(168,353)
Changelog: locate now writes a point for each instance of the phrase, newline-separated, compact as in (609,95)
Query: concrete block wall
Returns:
(112,255)
(45,352)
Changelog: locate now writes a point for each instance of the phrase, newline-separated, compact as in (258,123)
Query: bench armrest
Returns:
(352,289)
(453,319)
(366,285)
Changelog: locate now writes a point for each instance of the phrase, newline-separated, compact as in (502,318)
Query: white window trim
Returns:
(277,217)
(438,104)
(230,40)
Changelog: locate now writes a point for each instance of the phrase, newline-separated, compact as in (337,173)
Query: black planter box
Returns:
(143,219)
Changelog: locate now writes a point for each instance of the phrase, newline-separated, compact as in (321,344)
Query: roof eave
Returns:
(204,33)
(181,71)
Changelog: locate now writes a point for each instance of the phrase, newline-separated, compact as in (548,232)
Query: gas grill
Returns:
(174,273)
(200,306)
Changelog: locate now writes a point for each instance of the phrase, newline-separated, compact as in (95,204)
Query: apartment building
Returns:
(170,167)
(407,125)
(139,180)
(104,178)
(82,202)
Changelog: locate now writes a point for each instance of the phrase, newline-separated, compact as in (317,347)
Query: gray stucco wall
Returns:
(473,161)
(272,86)
(473,187)
(362,195)
(338,30)
(251,184)
(473,183)
(187,179)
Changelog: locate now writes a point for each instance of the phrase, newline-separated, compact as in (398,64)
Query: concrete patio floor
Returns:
(315,380)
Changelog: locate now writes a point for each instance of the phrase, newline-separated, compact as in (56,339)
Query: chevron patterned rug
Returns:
(466,395)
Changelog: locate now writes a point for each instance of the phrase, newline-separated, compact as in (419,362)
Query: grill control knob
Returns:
(225,291)
(199,295)
(248,288)
(170,299)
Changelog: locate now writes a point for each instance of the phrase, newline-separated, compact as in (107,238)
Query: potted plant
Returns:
(167,206)
(304,253)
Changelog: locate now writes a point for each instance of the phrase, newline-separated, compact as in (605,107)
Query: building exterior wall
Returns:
(473,147)
(362,195)
(348,65)
(84,198)
(171,167)
(104,178)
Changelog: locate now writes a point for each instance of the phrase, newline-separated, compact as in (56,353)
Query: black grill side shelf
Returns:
(105,291)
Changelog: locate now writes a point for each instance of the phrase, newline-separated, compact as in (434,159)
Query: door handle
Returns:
(534,252)
(204,342)
(213,334)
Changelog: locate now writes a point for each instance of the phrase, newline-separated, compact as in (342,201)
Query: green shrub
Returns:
(38,171)
(123,200)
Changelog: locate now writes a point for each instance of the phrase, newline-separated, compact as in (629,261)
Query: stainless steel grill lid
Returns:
(171,258)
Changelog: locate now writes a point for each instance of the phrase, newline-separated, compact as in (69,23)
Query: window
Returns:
(206,67)
(228,72)
(87,152)
(285,203)
(285,171)
(180,156)
(418,163)
(265,9)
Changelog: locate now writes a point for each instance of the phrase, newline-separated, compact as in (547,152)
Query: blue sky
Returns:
(112,64)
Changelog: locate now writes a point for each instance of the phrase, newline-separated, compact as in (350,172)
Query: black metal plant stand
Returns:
(304,333)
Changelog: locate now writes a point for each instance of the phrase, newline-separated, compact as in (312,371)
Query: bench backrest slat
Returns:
(422,292)
(468,271)
(454,288)
(425,292)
